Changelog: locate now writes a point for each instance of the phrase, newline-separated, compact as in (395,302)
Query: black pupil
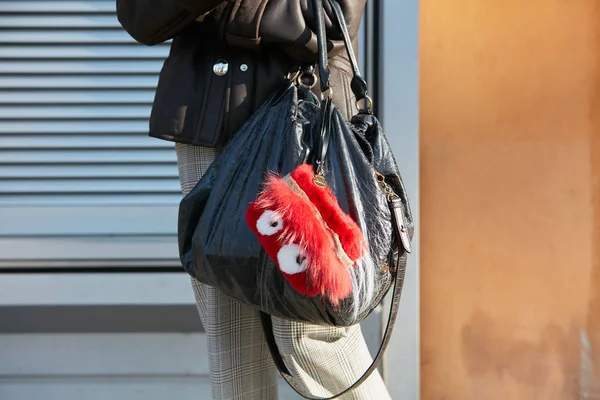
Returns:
(300,259)
(274,224)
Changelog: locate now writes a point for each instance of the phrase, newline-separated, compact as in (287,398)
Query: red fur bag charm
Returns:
(303,229)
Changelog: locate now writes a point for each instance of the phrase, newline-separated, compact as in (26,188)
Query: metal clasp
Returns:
(319,178)
(307,80)
(368,105)
(386,188)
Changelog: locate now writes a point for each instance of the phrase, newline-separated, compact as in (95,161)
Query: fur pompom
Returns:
(350,235)
(305,232)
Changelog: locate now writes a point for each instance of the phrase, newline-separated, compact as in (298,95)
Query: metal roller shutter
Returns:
(81,184)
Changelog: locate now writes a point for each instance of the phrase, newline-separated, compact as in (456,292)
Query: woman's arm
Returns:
(153,21)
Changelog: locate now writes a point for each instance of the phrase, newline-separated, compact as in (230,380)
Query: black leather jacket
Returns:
(227,57)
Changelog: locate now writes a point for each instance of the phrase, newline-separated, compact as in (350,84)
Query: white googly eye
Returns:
(291,260)
(269,223)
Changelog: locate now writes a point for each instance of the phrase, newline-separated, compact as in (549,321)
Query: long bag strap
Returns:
(267,324)
(395,207)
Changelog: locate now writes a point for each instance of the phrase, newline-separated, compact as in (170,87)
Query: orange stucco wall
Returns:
(510,199)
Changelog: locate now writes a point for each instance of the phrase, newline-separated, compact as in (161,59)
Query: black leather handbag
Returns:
(355,159)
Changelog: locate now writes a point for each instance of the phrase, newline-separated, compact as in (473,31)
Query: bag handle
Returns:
(324,73)
(358,83)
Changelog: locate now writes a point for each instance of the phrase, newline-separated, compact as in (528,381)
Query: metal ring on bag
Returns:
(312,80)
(368,105)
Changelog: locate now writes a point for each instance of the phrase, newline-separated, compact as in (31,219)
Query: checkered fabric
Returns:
(323,360)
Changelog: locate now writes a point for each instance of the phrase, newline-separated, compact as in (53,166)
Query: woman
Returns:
(226,58)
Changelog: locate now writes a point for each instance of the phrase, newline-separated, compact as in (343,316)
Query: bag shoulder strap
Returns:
(393,313)
(358,83)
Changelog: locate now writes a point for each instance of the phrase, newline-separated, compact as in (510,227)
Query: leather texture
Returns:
(261,40)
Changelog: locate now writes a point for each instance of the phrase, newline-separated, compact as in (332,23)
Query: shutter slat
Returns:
(53,36)
(64,127)
(132,51)
(60,21)
(68,248)
(76,97)
(140,200)
(119,156)
(86,221)
(80,67)
(73,112)
(140,81)
(92,186)
(66,7)
(87,171)
(81,142)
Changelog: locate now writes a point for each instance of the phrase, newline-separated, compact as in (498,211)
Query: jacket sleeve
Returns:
(153,21)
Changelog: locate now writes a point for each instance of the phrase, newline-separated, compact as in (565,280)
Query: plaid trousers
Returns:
(323,360)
